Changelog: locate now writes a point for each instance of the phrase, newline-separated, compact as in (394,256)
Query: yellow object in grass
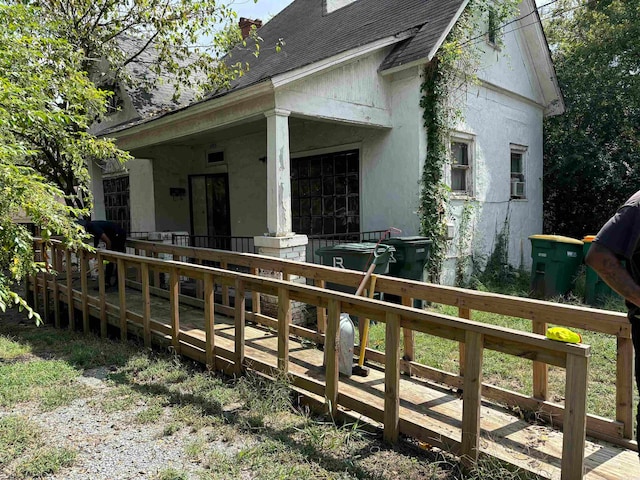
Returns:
(562,334)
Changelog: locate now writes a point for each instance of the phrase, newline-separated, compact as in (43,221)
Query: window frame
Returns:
(518,177)
(469,168)
(347,198)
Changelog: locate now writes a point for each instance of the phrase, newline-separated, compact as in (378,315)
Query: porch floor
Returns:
(535,448)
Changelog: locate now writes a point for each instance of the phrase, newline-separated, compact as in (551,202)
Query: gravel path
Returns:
(109,446)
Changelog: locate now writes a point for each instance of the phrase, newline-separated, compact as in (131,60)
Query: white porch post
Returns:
(278,173)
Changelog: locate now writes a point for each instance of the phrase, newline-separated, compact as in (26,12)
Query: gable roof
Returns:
(310,35)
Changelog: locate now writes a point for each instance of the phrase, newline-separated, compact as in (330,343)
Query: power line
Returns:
(519,19)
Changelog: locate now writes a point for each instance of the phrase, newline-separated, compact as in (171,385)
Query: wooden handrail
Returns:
(476,336)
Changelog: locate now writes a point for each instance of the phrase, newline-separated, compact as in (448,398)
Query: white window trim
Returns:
(470,140)
(522,150)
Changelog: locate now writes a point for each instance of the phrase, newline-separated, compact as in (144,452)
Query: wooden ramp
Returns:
(424,406)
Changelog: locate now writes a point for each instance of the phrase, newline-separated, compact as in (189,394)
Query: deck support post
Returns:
(209,320)
(471,396)
(84,286)
(392,378)
(321,313)
(624,385)
(225,288)
(103,298)
(174,298)
(408,334)
(146,303)
(122,294)
(284,319)
(70,307)
(465,313)
(239,320)
(255,295)
(331,351)
(540,369)
(56,287)
(45,283)
(575,422)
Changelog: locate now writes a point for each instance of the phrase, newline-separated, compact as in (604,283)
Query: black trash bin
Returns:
(355,256)
(409,261)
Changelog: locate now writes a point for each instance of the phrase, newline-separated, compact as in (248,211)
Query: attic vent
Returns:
(333,5)
(215,157)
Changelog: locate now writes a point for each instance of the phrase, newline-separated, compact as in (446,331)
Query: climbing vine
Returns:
(446,79)
(464,242)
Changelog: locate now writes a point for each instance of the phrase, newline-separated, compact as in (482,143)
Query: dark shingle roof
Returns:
(310,35)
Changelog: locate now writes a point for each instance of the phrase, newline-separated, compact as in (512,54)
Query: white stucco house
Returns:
(327,135)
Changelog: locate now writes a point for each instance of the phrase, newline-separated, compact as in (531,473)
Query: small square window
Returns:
(518,177)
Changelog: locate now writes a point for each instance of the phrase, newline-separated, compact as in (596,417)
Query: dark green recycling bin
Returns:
(555,263)
(596,290)
(408,261)
(356,256)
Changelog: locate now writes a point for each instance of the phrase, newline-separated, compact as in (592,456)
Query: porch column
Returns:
(278,174)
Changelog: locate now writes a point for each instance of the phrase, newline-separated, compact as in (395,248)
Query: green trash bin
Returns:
(408,261)
(355,256)
(596,290)
(555,263)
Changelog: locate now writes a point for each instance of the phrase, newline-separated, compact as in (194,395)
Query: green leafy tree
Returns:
(592,152)
(46,106)
(162,38)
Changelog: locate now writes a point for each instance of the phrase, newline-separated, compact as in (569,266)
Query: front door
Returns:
(210,218)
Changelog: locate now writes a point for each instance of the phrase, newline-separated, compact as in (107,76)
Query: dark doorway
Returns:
(210,217)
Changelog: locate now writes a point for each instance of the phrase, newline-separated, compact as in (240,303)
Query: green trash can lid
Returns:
(557,238)
(402,240)
(349,247)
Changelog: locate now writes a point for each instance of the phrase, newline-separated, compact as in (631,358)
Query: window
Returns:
(461,162)
(325,193)
(215,157)
(518,181)
(116,201)
(492,28)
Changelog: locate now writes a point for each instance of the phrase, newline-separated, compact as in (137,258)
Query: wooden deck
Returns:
(428,411)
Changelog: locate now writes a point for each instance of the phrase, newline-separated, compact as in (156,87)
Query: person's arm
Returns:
(106,240)
(612,271)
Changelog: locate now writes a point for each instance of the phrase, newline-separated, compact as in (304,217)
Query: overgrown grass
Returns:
(22,441)
(249,427)
(514,373)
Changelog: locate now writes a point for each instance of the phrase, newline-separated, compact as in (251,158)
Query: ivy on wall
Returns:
(445,82)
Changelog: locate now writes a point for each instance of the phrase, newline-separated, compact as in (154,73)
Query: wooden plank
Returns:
(239,321)
(573,441)
(255,295)
(70,308)
(45,286)
(471,396)
(331,351)
(624,385)
(540,370)
(392,379)
(57,264)
(174,300)
(408,334)
(199,283)
(103,299)
(122,296)
(225,288)
(84,286)
(156,273)
(209,321)
(321,313)
(146,304)
(466,314)
(138,278)
(284,319)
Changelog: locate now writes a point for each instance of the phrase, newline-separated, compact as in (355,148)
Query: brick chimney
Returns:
(245,25)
